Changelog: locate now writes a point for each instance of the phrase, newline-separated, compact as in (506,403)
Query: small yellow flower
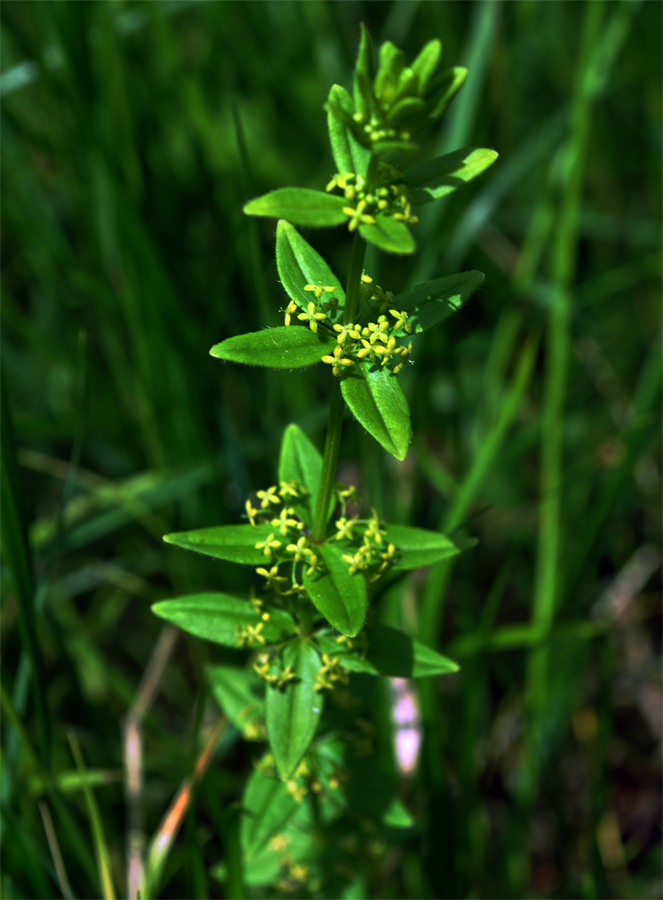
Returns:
(357,216)
(345,330)
(285,521)
(319,288)
(401,320)
(312,317)
(337,360)
(289,489)
(344,527)
(268,496)
(272,576)
(300,549)
(251,512)
(268,545)
(290,309)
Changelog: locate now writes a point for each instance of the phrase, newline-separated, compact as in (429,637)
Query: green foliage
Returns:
(293,709)
(276,348)
(223,619)
(339,595)
(132,135)
(300,206)
(377,401)
(235,543)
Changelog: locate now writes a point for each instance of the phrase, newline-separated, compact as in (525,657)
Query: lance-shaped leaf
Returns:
(235,543)
(418,547)
(349,155)
(339,596)
(377,401)
(390,652)
(363,76)
(441,176)
(241,695)
(299,264)
(389,234)
(293,710)
(435,301)
(443,88)
(300,461)
(218,618)
(426,63)
(285,347)
(268,807)
(301,206)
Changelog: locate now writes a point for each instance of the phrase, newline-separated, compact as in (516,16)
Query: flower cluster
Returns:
(391,197)
(289,549)
(376,341)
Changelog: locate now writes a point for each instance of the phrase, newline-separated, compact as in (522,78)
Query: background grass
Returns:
(132,133)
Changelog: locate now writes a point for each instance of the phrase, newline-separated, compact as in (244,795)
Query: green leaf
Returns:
(405,107)
(363,75)
(443,88)
(417,547)
(349,155)
(217,617)
(268,807)
(388,234)
(435,301)
(339,596)
(234,543)
(397,815)
(443,175)
(240,694)
(392,63)
(299,264)
(300,461)
(426,63)
(390,652)
(284,347)
(293,711)
(377,401)
(301,206)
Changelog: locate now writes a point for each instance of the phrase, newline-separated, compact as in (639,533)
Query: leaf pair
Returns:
(391,653)
(372,392)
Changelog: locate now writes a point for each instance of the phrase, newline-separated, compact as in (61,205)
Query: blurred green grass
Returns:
(126,256)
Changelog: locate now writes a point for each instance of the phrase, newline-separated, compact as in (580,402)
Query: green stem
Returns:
(329,460)
(335,423)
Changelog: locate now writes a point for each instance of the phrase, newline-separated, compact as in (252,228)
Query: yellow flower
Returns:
(312,316)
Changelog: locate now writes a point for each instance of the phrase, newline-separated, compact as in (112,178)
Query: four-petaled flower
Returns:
(268,496)
(401,320)
(312,316)
(337,360)
(268,545)
(285,521)
(272,576)
(344,527)
(319,288)
(357,216)
(300,549)
(345,330)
